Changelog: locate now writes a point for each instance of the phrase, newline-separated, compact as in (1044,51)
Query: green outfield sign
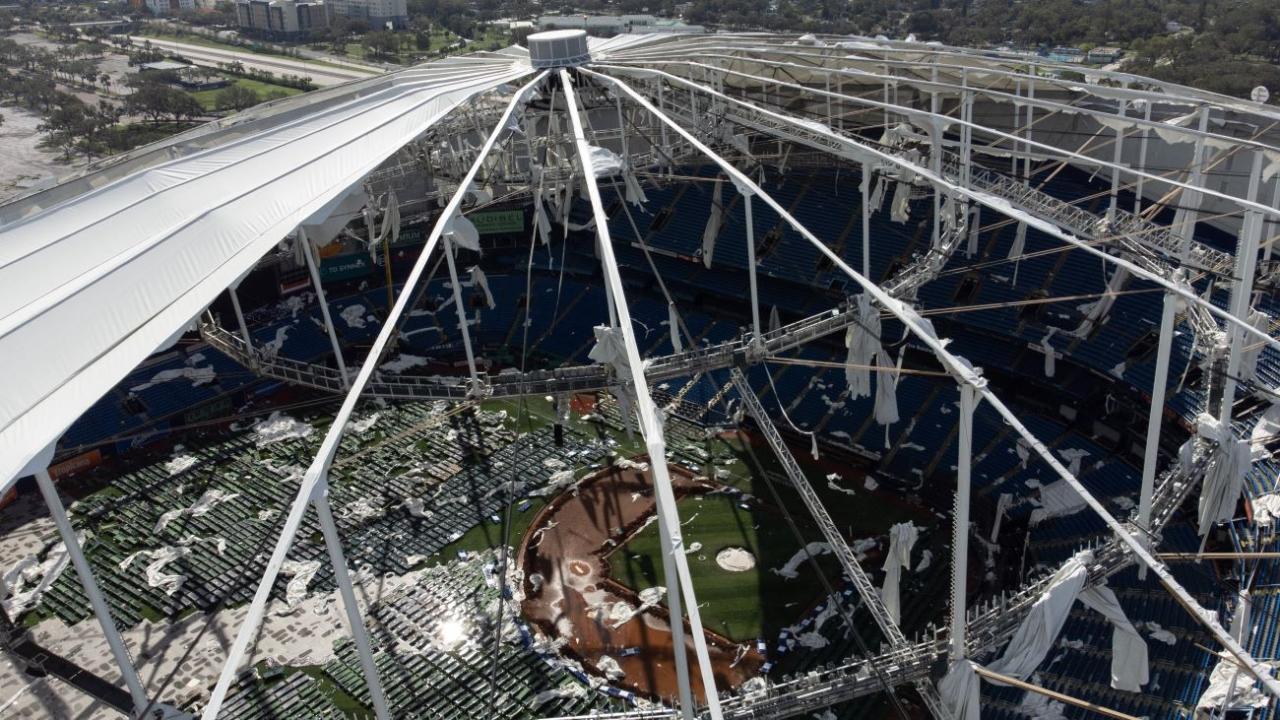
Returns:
(495,222)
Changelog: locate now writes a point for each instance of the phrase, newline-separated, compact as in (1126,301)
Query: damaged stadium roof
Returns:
(117,264)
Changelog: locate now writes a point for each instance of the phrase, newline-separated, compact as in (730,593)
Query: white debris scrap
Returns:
(300,574)
(208,501)
(179,464)
(359,427)
(280,427)
(788,570)
(26,581)
(160,557)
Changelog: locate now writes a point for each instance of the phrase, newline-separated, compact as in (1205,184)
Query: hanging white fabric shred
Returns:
(975,229)
(886,408)
(1226,679)
(540,219)
(674,326)
(1019,246)
(462,233)
(960,690)
(1057,499)
(1002,507)
(900,208)
(902,538)
(1097,310)
(813,446)
(714,221)
(1129,668)
(634,192)
(391,218)
(1049,353)
(610,349)
(479,280)
(877,195)
(1039,629)
(604,162)
(1252,350)
(863,342)
(775,320)
(1224,478)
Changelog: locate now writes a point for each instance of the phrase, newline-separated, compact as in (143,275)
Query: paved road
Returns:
(321,75)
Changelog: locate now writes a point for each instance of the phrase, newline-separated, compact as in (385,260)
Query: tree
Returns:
(381,44)
(236,97)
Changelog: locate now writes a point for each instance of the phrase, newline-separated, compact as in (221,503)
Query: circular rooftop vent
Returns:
(559,48)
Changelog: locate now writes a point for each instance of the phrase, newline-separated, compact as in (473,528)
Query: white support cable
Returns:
(320,465)
(860,153)
(650,425)
(1142,159)
(965,374)
(312,266)
(101,610)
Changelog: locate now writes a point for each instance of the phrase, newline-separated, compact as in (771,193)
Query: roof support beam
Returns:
(101,610)
(965,374)
(314,480)
(650,425)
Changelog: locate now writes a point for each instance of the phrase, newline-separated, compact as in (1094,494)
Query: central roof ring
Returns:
(559,48)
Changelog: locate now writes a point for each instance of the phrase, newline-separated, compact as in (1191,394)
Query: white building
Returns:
(378,13)
(171,7)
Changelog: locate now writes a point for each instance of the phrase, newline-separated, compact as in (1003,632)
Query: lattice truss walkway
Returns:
(909,119)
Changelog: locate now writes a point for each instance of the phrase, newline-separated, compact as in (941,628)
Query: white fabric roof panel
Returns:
(95,284)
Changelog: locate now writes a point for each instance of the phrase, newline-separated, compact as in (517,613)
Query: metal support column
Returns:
(1242,293)
(1142,156)
(99,604)
(1031,109)
(1155,414)
(312,266)
(935,159)
(244,327)
(463,321)
(751,262)
(1116,151)
(342,576)
(865,188)
(1191,200)
(960,523)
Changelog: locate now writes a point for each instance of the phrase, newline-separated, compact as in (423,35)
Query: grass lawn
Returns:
(208,99)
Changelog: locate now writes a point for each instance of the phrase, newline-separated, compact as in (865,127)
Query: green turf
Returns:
(740,605)
(208,99)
